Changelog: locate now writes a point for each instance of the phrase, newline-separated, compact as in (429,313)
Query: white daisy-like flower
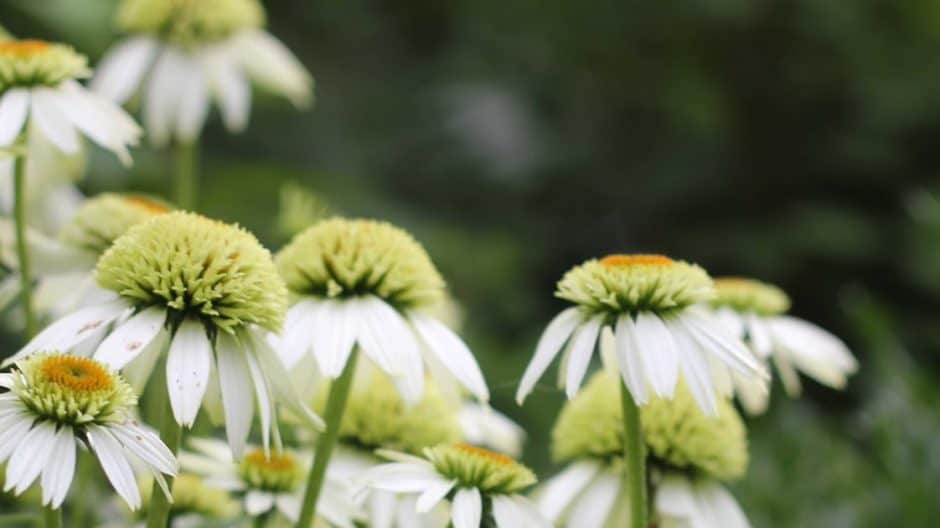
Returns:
(756,311)
(484,426)
(478,481)
(689,455)
(362,283)
(649,301)
(208,294)
(182,54)
(272,481)
(58,401)
(40,95)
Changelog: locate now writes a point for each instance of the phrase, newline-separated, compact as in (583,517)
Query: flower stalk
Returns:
(335,406)
(19,215)
(186,177)
(634,459)
(170,433)
(51,517)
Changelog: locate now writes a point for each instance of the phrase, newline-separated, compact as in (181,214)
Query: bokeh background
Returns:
(796,141)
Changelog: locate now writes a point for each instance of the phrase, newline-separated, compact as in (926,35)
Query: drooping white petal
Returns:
(629,359)
(297,336)
(115,464)
(813,350)
(13,431)
(551,342)
(715,339)
(674,499)
(29,458)
(194,101)
(515,510)
(695,369)
(14,106)
(751,392)
(334,335)
(129,339)
(655,343)
(59,468)
(718,507)
(467,508)
(452,353)
(401,477)
(72,329)
(101,120)
(279,380)
(407,515)
(229,86)
(263,396)
(381,507)
(187,371)
(138,371)
(388,341)
(269,63)
(163,94)
(582,348)
(433,495)
(759,336)
(561,490)
(593,507)
(120,71)
(145,445)
(788,374)
(51,120)
(484,426)
(237,399)
(258,502)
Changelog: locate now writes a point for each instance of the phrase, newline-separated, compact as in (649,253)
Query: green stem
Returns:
(18,519)
(335,405)
(19,216)
(634,459)
(170,433)
(186,178)
(52,518)
(84,490)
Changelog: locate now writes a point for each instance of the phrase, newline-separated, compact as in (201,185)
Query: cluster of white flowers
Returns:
(368,408)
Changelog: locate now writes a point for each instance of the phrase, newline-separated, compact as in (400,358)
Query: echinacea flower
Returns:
(650,303)
(475,480)
(41,95)
(690,454)
(56,401)
(183,53)
(486,427)
(756,311)
(208,293)
(366,283)
(268,481)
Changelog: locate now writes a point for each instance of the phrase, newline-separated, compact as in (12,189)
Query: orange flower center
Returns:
(276,462)
(499,458)
(77,373)
(620,260)
(23,47)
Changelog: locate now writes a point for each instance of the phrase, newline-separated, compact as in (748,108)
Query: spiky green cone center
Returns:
(475,467)
(276,473)
(196,267)
(104,218)
(190,22)
(344,258)
(28,63)
(748,295)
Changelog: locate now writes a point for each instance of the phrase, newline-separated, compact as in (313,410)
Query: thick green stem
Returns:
(19,218)
(52,518)
(634,459)
(335,405)
(83,493)
(170,433)
(186,178)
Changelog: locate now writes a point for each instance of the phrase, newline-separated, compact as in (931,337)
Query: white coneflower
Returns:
(756,311)
(207,293)
(185,53)
(484,486)
(268,482)
(690,454)
(650,303)
(486,427)
(56,401)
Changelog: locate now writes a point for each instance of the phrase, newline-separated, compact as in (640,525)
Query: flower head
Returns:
(189,22)
(340,258)
(192,495)
(196,267)
(56,401)
(277,471)
(476,467)
(102,219)
(28,63)
(749,295)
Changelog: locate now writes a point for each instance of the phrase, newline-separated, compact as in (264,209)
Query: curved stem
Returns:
(52,518)
(634,459)
(19,218)
(186,177)
(170,433)
(335,405)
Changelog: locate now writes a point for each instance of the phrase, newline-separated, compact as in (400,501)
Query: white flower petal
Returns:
(129,339)
(269,63)
(282,388)
(388,340)
(582,348)
(759,336)
(28,459)
(194,102)
(516,510)
(674,498)
(382,509)
(297,337)
(258,502)
(813,350)
(266,410)
(485,426)
(593,507)
(120,71)
(551,342)
(13,430)
(115,464)
(432,495)
(230,87)
(452,353)
(655,343)
(467,508)
(145,445)
(237,399)
(716,340)
(401,477)
(163,95)
(333,336)
(718,507)
(695,369)
(51,120)
(629,359)
(59,469)
(14,106)
(558,493)
(187,371)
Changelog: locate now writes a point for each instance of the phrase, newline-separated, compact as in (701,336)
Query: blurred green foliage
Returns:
(795,141)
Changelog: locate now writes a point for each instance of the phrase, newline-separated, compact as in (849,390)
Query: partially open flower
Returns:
(211,291)
(364,283)
(689,452)
(756,311)
(56,401)
(470,475)
(650,303)
(185,52)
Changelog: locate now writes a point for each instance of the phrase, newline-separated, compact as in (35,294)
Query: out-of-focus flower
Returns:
(471,476)
(649,300)
(57,401)
(689,453)
(365,283)
(299,208)
(183,53)
(484,426)
(195,503)
(208,293)
(272,481)
(756,311)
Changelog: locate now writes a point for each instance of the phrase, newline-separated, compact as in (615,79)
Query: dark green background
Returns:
(795,141)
